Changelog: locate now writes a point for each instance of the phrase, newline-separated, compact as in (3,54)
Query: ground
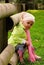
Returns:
(37,35)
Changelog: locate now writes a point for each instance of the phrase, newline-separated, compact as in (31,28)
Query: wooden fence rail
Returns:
(7,10)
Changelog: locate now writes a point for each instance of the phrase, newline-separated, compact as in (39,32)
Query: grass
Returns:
(37,35)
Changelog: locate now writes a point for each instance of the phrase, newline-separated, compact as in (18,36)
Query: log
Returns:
(7,9)
(6,55)
(13,60)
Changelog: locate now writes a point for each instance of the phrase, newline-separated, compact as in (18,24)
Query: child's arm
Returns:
(30,47)
(29,42)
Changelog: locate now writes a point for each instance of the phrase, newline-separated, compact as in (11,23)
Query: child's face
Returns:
(27,24)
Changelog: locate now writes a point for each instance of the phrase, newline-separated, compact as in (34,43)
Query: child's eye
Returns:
(28,22)
(31,24)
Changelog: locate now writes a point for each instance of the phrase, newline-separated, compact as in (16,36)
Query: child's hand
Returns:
(27,43)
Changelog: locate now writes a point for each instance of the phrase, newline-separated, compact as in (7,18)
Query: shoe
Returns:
(37,57)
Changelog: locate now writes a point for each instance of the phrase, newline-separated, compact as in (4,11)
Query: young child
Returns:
(21,32)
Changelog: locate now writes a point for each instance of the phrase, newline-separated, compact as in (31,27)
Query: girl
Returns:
(21,33)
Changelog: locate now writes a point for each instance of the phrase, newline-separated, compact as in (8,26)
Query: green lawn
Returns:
(37,35)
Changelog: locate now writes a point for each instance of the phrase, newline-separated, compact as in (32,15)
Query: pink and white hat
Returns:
(28,17)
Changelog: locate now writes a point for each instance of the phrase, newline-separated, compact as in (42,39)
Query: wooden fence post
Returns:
(6,10)
(14,59)
(3,35)
(6,55)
